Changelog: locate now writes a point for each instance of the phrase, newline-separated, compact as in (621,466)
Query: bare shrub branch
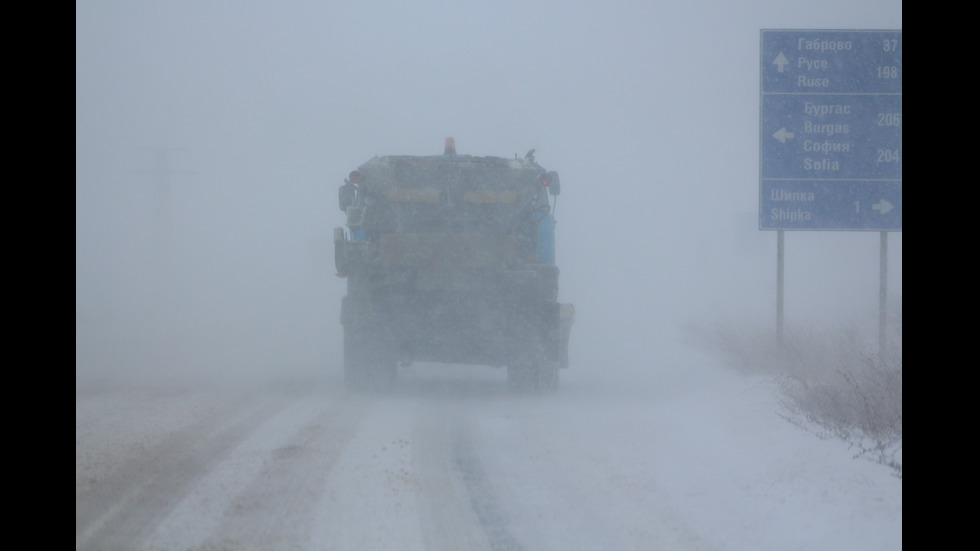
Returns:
(833,384)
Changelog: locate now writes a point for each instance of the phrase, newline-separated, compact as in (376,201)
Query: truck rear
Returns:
(451,259)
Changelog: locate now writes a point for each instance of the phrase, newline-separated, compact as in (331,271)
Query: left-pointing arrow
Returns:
(782,135)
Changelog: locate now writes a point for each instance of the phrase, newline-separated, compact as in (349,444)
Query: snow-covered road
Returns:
(451,460)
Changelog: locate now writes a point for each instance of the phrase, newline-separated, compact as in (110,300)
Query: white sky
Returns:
(649,112)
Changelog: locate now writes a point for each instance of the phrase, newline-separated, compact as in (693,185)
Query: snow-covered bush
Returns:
(835,383)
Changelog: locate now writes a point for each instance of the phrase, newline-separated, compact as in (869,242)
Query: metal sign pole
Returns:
(780,254)
(883,297)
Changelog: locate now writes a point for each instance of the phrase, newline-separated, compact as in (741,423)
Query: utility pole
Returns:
(161,173)
(160,298)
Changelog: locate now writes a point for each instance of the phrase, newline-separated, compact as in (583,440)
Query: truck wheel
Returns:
(366,365)
(548,377)
(519,377)
(533,376)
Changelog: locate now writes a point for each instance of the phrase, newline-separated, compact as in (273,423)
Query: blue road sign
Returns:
(831,130)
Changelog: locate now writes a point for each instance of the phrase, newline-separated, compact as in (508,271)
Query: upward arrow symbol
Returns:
(780,62)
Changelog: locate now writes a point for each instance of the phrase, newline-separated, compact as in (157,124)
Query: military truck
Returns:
(451,259)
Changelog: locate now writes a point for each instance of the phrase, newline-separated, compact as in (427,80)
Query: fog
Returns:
(211,137)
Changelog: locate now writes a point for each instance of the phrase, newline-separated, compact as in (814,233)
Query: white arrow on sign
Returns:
(883,206)
(782,135)
(780,62)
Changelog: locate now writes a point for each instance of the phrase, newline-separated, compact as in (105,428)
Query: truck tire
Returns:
(367,365)
(533,376)
(535,367)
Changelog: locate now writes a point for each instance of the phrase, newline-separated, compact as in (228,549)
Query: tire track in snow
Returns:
(482,493)
(560,482)
(458,507)
(275,510)
(120,511)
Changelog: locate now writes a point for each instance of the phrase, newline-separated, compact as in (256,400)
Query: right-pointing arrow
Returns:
(882,206)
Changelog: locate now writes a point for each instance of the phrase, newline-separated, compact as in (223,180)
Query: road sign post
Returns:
(830,149)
